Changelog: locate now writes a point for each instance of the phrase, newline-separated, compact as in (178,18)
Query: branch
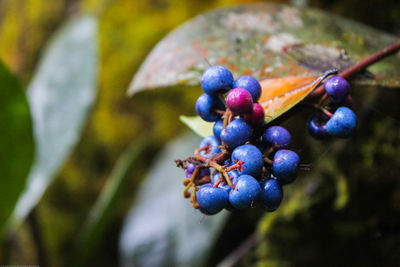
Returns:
(362,65)
(240,251)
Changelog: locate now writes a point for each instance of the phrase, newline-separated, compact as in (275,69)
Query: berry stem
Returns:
(228,179)
(362,65)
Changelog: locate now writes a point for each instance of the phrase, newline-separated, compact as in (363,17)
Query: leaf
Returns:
(256,39)
(16,143)
(281,94)
(163,229)
(60,96)
(198,125)
(101,212)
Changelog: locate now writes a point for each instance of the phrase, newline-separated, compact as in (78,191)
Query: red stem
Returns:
(362,65)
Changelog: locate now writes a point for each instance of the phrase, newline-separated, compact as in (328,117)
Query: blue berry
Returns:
(277,135)
(250,84)
(211,199)
(337,88)
(252,158)
(213,146)
(316,127)
(271,195)
(216,79)
(246,191)
(205,106)
(217,129)
(343,123)
(236,133)
(285,166)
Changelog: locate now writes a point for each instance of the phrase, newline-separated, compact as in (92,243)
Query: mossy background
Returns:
(353,216)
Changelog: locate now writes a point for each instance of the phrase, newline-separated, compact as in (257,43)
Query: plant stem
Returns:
(233,258)
(362,65)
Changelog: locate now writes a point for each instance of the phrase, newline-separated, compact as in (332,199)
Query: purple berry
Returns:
(277,135)
(256,116)
(213,146)
(316,126)
(252,158)
(250,84)
(285,166)
(189,170)
(271,195)
(211,199)
(343,123)
(206,105)
(204,172)
(337,88)
(246,191)
(216,79)
(239,101)
(236,133)
(217,129)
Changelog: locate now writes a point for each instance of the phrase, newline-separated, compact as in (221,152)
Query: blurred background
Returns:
(366,230)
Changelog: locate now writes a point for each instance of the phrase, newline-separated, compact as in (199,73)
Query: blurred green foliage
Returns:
(355,201)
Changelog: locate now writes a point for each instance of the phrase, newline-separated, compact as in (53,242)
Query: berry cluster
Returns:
(343,122)
(246,162)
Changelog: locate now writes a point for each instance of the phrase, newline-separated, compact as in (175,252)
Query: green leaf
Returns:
(16,143)
(60,96)
(102,210)
(198,125)
(266,41)
(163,229)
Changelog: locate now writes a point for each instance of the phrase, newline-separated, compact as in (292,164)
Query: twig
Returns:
(240,251)
(362,65)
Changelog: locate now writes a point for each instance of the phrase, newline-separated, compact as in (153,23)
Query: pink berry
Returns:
(239,101)
(257,116)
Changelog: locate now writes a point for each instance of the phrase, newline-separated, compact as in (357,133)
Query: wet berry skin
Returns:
(257,115)
(213,143)
(211,199)
(252,158)
(316,127)
(205,106)
(246,191)
(236,133)
(285,166)
(337,88)
(343,123)
(217,129)
(271,195)
(250,84)
(216,79)
(277,135)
